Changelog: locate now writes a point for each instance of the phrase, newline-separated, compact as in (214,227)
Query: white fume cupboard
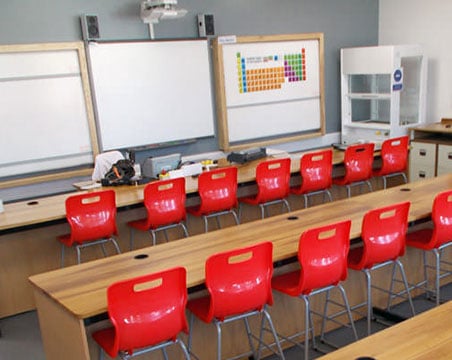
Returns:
(383,90)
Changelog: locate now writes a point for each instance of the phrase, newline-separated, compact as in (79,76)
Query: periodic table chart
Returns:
(271,89)
(264,73)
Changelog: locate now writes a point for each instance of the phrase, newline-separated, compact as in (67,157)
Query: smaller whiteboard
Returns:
(45,109)
(151,92)
(270,89)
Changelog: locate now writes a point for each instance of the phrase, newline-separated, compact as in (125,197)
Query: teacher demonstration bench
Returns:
(69,299)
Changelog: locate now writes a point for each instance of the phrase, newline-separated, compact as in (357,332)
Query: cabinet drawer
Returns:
(421,171)
(422,153)
(444,159)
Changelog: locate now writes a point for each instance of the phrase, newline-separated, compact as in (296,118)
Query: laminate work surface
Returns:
(52,208)
(423,337)
(81,289)
(442,128)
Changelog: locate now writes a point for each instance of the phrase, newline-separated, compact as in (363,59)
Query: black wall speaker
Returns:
(205,25)
(90,27)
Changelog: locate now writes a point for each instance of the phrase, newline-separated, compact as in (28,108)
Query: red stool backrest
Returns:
(218,189)
(394,154)
(273,179)
(239,280)
(442,218)
(148,309)
(384,233)
(91,216)
(322,253)
(358,160)
(165,202)
(316,170)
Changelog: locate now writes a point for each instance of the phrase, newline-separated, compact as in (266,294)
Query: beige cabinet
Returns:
(444,164)
(422,160)
(431,150)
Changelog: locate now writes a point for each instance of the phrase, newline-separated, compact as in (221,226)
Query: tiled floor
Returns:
(21,338)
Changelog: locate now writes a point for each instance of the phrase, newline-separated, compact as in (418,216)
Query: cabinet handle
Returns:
(422,174)
(422,152)
(449,156)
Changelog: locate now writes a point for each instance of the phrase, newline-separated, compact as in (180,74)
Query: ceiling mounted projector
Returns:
(152,11)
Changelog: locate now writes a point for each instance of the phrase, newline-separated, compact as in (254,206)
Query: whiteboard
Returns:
(45,123)
(151,92)
(273,119)
(270,88)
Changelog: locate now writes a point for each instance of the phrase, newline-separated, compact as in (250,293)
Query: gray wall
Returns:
(344,23)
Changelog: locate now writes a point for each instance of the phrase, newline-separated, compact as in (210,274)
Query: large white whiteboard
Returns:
(43,109)
(151,92)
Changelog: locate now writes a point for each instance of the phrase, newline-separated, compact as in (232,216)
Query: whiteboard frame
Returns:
(55,47)
(224,136)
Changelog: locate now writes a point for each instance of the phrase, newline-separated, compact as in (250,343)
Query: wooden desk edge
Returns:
(356,349)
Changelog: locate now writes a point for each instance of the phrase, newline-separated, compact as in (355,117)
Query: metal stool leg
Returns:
(218,222)
(250,340)
(184,349)
(102,245)
(286,203)
(306,202)
(165,354)
(392,294)
(347,308)
(349,191)
(115,244)
(77,249)
(218,326)
(266,316)
(184,228)
(206,224)
(437,275)
(369,301)
(236,218)
(307,312)
(154,237)
(262,211)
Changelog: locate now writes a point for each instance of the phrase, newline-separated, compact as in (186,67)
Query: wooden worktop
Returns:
(52,208)
(425,336)
(439,127)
